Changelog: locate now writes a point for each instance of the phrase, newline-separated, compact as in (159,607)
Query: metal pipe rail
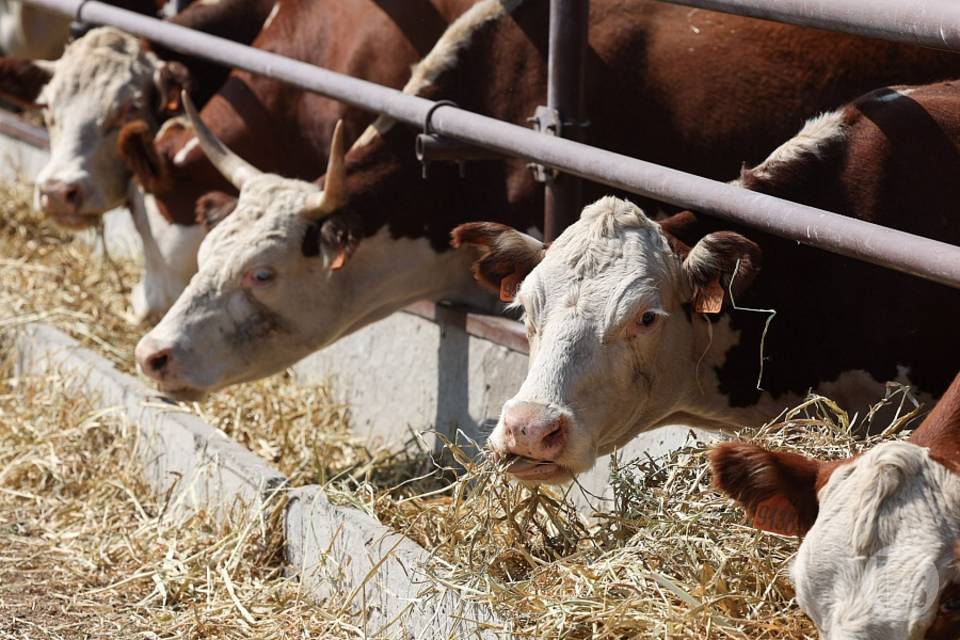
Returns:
(929,23)
(563,198)
(908,253)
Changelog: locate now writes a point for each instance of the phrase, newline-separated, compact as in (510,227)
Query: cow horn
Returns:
(234,168)
(334,192)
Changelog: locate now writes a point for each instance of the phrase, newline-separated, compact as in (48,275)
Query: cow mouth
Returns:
(181,393)
(533,471)
(75,221)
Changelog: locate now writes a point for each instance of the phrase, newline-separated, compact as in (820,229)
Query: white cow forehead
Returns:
(883,544)
(612,243)
(268,218)
(103,63)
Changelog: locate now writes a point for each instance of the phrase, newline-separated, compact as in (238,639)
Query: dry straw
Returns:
(88,551)
(87,548)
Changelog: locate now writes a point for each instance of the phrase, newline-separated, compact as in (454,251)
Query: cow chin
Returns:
(533,473)
(74,221)
(184,394)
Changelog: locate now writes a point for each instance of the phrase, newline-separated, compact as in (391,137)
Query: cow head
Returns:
(879,554)
(283,275)
(104,81)
(614,346)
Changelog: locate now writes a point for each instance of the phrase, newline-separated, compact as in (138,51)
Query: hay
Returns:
(50,275)
(88,551)
(674,559)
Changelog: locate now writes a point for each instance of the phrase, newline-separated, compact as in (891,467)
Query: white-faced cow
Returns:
(281,128)
(881,531)
(628,324)
(705,101)
(104,81)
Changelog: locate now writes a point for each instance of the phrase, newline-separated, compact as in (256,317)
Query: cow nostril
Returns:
(72,194)
(158,362)
(554,439)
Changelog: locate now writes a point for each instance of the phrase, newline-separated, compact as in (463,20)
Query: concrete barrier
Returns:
(332,549)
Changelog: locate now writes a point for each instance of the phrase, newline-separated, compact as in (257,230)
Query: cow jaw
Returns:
(225,328)
(882,549)
(101,79)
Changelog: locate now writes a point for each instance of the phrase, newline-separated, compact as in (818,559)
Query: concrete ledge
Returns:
(332,549)
(178,449)
(341,550)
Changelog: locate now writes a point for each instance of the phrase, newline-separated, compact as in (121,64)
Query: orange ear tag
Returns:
(777,515)
(339,261)
(709,299)
(508,287)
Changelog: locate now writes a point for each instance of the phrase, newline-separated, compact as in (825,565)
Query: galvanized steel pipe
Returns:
(563,199)
(930,259)
(929,23)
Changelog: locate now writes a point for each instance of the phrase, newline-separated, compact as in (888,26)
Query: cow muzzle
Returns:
(535,436)
(63,201)
(158,362)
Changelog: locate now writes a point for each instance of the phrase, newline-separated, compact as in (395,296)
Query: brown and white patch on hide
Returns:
(813,140)
(444,55)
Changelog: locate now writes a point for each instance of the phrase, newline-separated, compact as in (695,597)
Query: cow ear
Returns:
(506,255)
(778,490)
(171,79)
(716,261)
(21,80)
(334,238)
(136,147)
(213,207)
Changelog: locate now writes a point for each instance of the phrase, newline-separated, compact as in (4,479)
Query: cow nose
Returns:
(534,431)
(155,361)
(58,196)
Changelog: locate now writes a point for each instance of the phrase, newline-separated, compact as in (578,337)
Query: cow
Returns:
(881,530)
(103,81)
(294,277)
(106,81)
(286,129)
(636,323)
(28,31)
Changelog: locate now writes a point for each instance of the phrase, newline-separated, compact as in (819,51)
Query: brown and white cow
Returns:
(705,100)
(881,531)
(285,129)
(632,323)
(104,82)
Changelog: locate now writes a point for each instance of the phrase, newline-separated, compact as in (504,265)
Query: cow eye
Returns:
(259,277)
(643,324)
(952,605)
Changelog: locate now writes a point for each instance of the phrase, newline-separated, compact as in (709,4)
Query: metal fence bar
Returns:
(908,253)
(568,46)
(929,23)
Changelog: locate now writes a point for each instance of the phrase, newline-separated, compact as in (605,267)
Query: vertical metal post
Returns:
(565,67)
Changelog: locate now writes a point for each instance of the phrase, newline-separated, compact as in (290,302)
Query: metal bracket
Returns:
(430,135)
(79,28)
(545,120)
